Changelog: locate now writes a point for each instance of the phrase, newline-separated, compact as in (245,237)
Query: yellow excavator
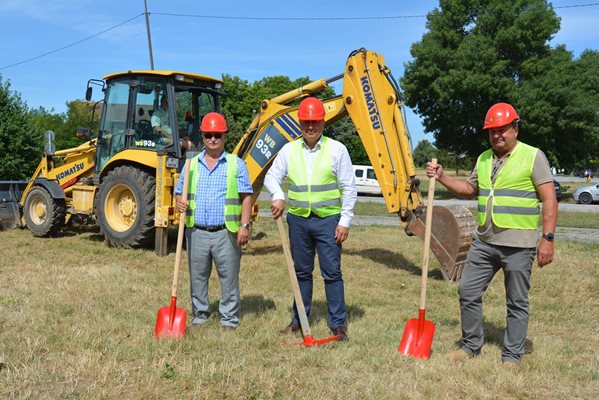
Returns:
(126,174)
(371,98)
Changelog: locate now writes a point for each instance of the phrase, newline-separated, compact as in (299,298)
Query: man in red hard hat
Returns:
(508,180)
(218,211)
(322,194)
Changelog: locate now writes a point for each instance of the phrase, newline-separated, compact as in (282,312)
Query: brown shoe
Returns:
(291,328)
(229,328)
(459,355)
(341,335)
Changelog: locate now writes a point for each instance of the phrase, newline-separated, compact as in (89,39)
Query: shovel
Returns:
(171,320)
(418,335)
(309,340)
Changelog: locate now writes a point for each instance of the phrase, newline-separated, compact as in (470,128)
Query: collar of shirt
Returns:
(316,148)
(499,162)
(202,158)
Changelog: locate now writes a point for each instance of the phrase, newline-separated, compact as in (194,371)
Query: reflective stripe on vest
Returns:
(319,194)
(232,211)
(514,198)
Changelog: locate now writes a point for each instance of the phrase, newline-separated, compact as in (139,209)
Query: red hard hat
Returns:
(213,122)
(311,109)
(500,114)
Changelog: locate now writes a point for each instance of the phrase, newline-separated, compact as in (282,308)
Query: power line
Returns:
(246,18)
(579,5)
(72,44)
(322,18)
(289,18)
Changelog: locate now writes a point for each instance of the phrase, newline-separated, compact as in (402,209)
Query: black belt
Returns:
(213,228)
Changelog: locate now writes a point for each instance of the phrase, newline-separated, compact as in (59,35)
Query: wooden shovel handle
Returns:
(427,237)
(299,302)
(181,231)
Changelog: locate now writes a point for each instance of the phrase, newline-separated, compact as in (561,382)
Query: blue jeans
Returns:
(308,236)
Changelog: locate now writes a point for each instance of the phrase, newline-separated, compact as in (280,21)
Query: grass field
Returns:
(77,318)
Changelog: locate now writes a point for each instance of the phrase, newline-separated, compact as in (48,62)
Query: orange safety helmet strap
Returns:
(500,114)
(213,122)
(311,109)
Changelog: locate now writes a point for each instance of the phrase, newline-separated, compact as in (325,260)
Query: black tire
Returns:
(125,207)
(44,215)
(585,198)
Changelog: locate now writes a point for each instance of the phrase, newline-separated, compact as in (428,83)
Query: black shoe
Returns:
(291,328)
(341,335)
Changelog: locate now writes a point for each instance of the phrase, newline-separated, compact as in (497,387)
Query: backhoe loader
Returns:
(125,175)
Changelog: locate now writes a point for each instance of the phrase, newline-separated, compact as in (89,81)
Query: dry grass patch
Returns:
(77,317)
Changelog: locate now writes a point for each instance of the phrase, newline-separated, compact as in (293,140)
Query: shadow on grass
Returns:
(319,312)
(393,260)
(493,335)
(255,305)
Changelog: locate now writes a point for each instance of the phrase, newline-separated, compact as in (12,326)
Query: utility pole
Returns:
(149,35)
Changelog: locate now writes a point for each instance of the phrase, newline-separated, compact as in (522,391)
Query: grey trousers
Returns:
(483,262)
(221,247)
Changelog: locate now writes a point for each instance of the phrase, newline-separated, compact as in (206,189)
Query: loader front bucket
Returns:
(451,236)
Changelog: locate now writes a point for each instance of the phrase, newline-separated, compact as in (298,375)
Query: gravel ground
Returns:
(585,235)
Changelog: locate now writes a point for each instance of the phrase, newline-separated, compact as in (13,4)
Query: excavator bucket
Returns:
(451,236)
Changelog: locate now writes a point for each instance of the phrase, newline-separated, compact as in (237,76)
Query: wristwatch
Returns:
(246,226)
(549,236)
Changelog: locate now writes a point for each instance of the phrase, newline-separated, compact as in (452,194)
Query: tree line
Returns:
(474,53)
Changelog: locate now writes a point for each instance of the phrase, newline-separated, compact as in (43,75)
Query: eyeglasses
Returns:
(213,135)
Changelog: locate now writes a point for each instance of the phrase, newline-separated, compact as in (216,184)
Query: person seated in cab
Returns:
(161,123)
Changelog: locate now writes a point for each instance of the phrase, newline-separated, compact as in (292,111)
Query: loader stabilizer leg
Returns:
(451,236)
(161,242)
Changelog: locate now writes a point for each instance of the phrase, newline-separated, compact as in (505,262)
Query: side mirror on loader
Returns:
(82,132)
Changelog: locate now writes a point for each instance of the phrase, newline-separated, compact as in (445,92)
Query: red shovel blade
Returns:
(417,337)
(171,321)
(309,341)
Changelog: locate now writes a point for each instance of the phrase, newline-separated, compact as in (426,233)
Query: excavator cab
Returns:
(153,111)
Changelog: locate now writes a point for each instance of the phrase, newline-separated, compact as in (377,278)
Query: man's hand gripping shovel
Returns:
(309,340)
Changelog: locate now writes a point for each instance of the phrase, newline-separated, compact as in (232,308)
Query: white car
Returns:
(587,194)
(366,181)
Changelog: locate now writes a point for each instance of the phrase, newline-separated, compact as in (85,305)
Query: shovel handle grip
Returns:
(427,236)
(181,232)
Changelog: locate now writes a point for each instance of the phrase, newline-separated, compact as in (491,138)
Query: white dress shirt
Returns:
(342,170)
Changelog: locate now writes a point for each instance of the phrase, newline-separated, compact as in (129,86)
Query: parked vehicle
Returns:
(587,194)
(366,181)
(10,209)
(558,189)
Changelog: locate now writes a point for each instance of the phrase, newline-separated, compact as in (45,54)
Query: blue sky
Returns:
(250,49)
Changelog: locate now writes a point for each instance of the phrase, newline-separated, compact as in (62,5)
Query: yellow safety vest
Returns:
(319,194)
(232,210)
(515,200)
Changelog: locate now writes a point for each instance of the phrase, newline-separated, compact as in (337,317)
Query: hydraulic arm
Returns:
(371,99)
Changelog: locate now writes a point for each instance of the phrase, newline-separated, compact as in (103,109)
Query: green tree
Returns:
(243,100)
(345,132)
(560,107)
(472,56)
(20,142)
(78,116)
(423,153)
